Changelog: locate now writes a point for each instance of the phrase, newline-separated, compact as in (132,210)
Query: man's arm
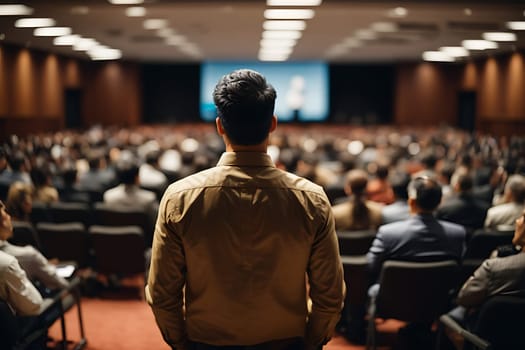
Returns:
(166,281)
(327,289)
(476,289)
(376,256)
(23,297)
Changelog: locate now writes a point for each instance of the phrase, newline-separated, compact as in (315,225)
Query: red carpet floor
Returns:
(118,324)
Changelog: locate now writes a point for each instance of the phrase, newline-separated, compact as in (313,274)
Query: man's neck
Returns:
(262,147)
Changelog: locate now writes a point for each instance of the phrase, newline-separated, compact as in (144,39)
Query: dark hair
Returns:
(426,192)
(399,183)
(357,180)
(127,172)
(465,182)
(245,104)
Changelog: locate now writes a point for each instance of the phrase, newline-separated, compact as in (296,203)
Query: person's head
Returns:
(6,227)
(462,182)
(245,104)
(69,174)
(519,232)
(127,172)
(19,162)
(424,195)
(41,176)
(428,160)
(356,181)
(515,188)
(19,202)
(399,182)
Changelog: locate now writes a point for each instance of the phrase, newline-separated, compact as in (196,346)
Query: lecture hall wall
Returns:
(33,83)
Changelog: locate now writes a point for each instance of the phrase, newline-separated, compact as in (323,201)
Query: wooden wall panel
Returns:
(426,94)
(491,91)
(4,87)
(515,91)
(24,80)
(51,90)
(112,94)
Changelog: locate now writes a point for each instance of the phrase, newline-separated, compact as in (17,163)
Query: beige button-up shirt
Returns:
(231,249)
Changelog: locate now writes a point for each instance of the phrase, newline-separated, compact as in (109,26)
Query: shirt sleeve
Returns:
(476,289)
(327,288)
(46,272)
(23,297)
(166,280)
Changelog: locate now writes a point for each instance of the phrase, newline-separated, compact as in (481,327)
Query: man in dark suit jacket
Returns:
(463,208)
(421,237)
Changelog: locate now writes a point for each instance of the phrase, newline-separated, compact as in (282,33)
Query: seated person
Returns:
(398,210)
(36,266)
(19,202)
(496,276)
(16,289)
(503,216)
(357,213)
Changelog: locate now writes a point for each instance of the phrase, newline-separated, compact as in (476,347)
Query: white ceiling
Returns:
(231,30)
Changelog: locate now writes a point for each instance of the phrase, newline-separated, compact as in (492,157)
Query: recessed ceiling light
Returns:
(499,36)
(276,50)
(155,23)
(365,34)
(398,12)
(516,25)
(84,44)
(136,11)
(176,40)
(384,27)
(454,51)
(100,54)
(289,14)
(479,44)
(34,22)
(278,42)
(126,2)
(165,32)
(437,56)
(282,34)
(66,40)
(52,31)
(15,10)
(293,2)
(467,11)
(284,25)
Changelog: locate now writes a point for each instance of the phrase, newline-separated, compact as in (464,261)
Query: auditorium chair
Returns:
(355,242)
(65,241)
(413,292)
(30,332)
(40,212)
(119,251)
(62,212)
(24,234)
(498,325)
(111,215)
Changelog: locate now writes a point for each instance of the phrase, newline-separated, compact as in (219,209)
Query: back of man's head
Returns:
(463,182)
(515,186)
(128,172)
(426,193)
(399,183)
(245,104)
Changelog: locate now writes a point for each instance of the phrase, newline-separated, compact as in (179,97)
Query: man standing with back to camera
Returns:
(233,244)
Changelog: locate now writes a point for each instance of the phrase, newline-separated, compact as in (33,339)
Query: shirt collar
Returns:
(253,159)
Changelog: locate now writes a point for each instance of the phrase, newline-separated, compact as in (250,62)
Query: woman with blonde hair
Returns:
(19,202)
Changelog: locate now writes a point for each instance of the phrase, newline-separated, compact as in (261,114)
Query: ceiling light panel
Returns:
(136,11)
(499,36)
(284,25)
(34,22)
(278,42)
(15,10)
(437,56)
(516,25)
(126,2)
(66,40)
(479,44)
(293,2)
(282,34)
(52,31)
(289,14)
(155,23)
(454,51)
(84,44)
(384,27)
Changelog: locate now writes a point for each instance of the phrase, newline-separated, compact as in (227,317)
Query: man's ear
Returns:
(273,125)
(218,124)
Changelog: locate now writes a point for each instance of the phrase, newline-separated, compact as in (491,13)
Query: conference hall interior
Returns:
(371,97)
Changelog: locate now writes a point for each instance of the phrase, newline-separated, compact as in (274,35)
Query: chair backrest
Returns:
(8,327)
(356,278)
(65,241)
(355,242)
(40,212)
(25,234)
(110,215)
(483,242)
(118,249)
(70,212)
(416,291)
(500,322)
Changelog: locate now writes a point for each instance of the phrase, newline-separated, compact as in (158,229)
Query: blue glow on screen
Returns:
(302,88)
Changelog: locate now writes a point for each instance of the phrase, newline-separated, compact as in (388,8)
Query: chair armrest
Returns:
(450,323)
